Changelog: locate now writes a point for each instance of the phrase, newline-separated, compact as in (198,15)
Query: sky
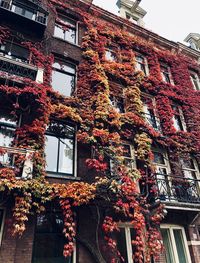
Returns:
(172,19)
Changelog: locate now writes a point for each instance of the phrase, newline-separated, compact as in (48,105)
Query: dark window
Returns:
(117,103)
(65,29)
(14,51)
(60,150)
(49,240)
(63,78)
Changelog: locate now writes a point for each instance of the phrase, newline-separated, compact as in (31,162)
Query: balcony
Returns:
(27,13)
(10,154)
(15,66)
(173,189)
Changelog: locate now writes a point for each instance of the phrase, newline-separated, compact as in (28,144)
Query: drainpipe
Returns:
(135,5)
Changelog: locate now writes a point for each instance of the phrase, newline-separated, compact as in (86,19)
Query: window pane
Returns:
(159,158)
(49,240)
(66,156)
(121,244)
(28,14)
(180,245)
(169,255)
(51,151)
(59,32)
(70,35)
(1,218)
(63,83)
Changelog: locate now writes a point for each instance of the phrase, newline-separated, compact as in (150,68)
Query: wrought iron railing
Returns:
(153,121)
(38,16)
(8,158)
(178,189)
(17,67)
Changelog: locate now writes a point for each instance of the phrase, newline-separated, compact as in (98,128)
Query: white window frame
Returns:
(2,223)
(182,119)
(195,78)
(126,227)
(145,111)
(168,70)
(145,63)
(65,175)
(62,18)
(65,72)
(185,243)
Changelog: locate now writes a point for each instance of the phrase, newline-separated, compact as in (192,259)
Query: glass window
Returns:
(63,78)
(195,80)
(150,114)
(123,239)
(117,103)
(175,244)
(49,239)
(22,11)
(178,118)
(166,73)
(141,64)
(59,149)
(1,223)
(65,29)
(7,133)
(110,54)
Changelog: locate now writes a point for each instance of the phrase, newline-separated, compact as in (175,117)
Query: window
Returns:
(123,239)
(63,78)
(141,64)
(161,163)
(110,54)
(7,133)
(14,51)
(175,244)
(166,73)
(49,240)
(117,103)
(20,10)
(60,148)
(149,113)
(195,80)
(188,188)
(66,29)
(178,118)
(2,215)
(129,158)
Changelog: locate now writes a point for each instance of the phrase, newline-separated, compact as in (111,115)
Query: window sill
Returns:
(62,176)
(65,41)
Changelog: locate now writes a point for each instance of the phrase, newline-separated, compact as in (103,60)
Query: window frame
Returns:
(2,223)
(126,226)
(177,109)
(148,114)
(64,72)
(171,227)
(144,63)
(75,28)
(110,54)
(194,77)
(74,254)
(167,71)
(58,174)
(117,103)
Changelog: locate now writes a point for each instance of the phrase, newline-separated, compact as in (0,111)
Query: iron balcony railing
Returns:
(153,121)
(8,158)
(19,8)
(178,189)
(18,67)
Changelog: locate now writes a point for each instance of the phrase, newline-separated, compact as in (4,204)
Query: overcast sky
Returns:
(172,19)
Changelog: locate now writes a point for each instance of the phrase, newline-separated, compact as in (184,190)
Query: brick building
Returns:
(99,137)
